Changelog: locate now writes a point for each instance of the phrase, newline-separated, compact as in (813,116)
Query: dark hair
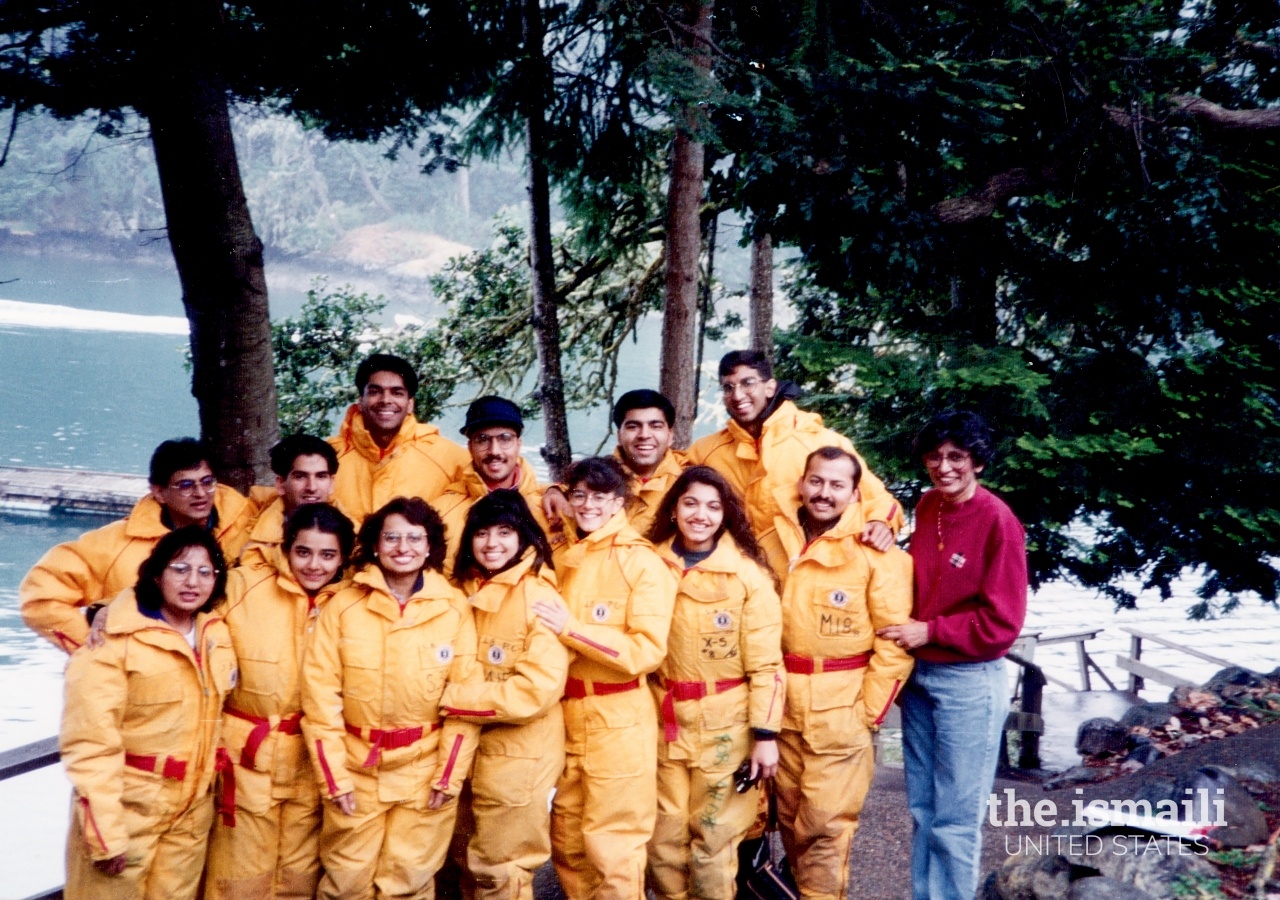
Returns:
(642,399)
(169,548)
(502,507)
(321,517)
(735,514)
(418,512)
(755,359)
(285,453)
(967,430)
(599,473)
(174,456)
(830,454)
(385,362)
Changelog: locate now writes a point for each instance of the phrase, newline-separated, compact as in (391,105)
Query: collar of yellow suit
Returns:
(355,435)
(434,594)
(490,594)
(726,557)
(145,521)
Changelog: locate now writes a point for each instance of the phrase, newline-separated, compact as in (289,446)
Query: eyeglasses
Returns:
(955,457)
(506,440)
(187,486)
(747,384)
(578,498)
(182,570)
(413,540)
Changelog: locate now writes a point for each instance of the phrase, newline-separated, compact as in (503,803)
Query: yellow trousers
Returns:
(606,800)
(274,855)
(701,821)
(819,798)
(165,858)
(386,850)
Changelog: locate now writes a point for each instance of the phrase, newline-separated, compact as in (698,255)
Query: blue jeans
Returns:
(952,718)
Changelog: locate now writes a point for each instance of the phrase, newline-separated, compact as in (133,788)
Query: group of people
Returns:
(407,651)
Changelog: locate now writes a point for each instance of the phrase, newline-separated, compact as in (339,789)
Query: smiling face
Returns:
(644,438)
(495,546)
(699,514)
(308,481)
(188,496)
(952,472)
(495,453)
(315,558)
(402,546)
(746,394)
(592,509)
(385,403)
(186,584)
(827,489)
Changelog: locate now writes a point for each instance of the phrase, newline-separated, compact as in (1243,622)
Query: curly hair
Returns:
(735,514)
(503,507)
(967,430)
(170,547)
(418,512)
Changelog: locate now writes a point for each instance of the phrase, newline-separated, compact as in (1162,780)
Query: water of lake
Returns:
(102,400)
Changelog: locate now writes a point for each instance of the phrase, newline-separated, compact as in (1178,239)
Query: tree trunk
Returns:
(546,323)
(762,294)
(218,255)
(684,241)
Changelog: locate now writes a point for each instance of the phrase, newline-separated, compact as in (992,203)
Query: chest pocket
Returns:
(435,658)
(155,698)
(840,611)
(258,668)
(362,671)
(498,656)
(610,611)
(718,628)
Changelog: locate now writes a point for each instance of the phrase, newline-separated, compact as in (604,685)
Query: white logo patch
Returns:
(600,613)
(839,599)
(497,655)
(444,654)
(723,620)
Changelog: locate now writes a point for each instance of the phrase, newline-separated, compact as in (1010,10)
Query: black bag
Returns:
(759,877)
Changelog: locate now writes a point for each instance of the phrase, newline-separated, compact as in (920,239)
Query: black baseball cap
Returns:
(486,412)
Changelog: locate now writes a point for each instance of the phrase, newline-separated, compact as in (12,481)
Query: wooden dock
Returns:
(30,489)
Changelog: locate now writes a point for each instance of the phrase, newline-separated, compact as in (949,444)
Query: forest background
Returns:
(1064,215)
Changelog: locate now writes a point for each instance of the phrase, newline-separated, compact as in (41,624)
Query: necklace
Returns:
(940,529)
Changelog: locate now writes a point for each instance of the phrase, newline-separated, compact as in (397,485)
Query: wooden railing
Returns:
(28,758)
(1140,672)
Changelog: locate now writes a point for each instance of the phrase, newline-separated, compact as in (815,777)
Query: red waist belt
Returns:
(576,688)
(172,768)
(389,740)
(261,728)
(807,665)
(687,690)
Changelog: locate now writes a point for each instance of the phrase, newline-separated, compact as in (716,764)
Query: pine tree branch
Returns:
(1229,119)
(982,203)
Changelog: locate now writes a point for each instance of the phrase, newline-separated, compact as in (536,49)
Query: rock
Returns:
(1078,775)
(1096,737)
(1233,676)
(1033,878)
(1257,771)
(988,889)
(1148,715)
(1104,888)
(1143,750)
(1245,822)
(1149,862)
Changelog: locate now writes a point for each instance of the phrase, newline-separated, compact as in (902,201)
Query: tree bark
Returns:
(217,252)
(684,239)
(546,322)
(762,294)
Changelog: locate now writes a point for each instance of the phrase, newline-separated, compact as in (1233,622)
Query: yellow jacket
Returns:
(647,493)
(765,472)
(727,627)
(104,562)
(270,617)
(838,593)
(523,663)
(454,504)
(620,596)
(420,462)
(266,532)
(140,724)
(372,667)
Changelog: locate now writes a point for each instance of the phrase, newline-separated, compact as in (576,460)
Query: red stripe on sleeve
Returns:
(893,693)
(443,783)
(324,767)
(590,643)
(93,823)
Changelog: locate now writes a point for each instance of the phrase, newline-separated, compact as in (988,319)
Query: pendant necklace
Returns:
(939,529)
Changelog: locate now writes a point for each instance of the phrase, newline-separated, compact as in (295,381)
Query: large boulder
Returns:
(1151,863)
(1104,888)
(1143,750)
(1233,677)
(1033,877)
(1079,775)
(1246,825)
(1148,715)
(1102,736)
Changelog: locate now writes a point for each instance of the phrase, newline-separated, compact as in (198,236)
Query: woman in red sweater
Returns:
(970,561)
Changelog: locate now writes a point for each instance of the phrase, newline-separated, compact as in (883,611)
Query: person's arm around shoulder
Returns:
(889,598)
(92,745)
(65,580)
(880,510)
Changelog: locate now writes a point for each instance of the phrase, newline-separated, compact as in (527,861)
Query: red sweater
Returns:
(972,592)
